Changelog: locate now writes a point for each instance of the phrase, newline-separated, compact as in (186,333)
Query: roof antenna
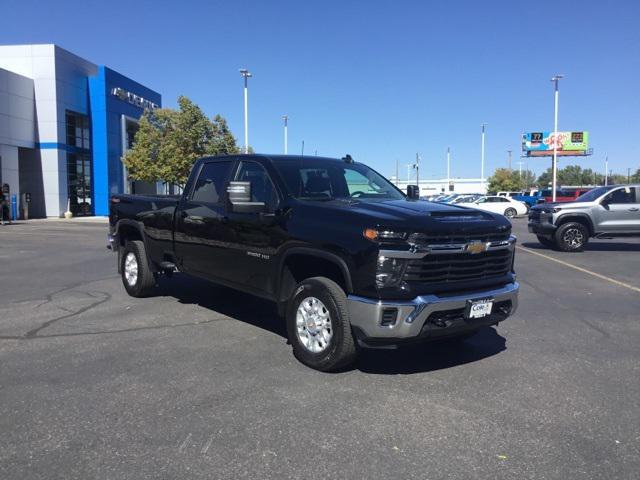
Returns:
(347,158)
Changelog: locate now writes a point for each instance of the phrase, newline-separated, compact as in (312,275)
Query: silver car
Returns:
(612,211)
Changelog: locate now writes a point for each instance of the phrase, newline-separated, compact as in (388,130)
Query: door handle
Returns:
(193,219)
(634,209)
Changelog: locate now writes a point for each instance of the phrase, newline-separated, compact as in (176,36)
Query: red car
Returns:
(563,195)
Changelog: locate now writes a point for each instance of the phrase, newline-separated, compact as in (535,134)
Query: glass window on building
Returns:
(78,130)
(79,164)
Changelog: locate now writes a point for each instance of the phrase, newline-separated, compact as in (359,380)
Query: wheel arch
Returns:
(127,230)
(576,217)
(303,262)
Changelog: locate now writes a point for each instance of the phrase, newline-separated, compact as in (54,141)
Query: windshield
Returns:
(322,179)
(592,195)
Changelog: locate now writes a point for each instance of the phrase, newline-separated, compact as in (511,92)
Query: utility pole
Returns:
(286,139)
(246,74)
(418,170)
(554,167)
(509,152)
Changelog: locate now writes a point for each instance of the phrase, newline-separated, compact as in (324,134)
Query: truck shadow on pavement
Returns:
(602,246)
(415,358)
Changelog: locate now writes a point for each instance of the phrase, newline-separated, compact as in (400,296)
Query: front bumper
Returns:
(426,316)
(542,228)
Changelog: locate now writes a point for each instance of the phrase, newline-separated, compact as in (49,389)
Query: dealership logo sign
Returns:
(133,99)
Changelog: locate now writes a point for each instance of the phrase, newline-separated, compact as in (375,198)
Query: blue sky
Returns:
(379,80)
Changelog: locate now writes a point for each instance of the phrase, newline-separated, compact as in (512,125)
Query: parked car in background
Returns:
(604,211)
(503,205)
(510,194)
(562,195)
(529,198)
(466,198)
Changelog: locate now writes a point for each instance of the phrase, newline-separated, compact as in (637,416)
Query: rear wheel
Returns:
(572,237)
(547,242)
(137,277)
(510,212)
(318,325)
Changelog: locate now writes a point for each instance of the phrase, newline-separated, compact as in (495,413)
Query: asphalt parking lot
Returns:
(199,382)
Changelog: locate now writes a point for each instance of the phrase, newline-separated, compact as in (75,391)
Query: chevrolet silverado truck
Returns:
(350,260)
(612,211)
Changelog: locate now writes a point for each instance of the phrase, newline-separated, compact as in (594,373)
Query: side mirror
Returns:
(413,192)
(239,194)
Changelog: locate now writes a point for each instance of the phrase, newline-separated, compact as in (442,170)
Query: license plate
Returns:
(479,308)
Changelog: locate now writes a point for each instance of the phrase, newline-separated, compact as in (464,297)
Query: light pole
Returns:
(417,166)
(286,140)
(246,74)
(606,171)
(554,167)
(509,152)
(448,167)
(482,159)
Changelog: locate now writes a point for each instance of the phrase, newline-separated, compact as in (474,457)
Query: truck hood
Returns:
(422,216)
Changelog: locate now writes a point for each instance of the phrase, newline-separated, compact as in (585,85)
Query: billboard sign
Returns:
(566,143)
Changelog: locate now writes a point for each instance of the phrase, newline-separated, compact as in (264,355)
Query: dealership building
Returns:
(65,123)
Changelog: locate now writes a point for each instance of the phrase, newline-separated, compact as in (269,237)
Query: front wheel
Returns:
(572,237)
(510,212)
(318,325)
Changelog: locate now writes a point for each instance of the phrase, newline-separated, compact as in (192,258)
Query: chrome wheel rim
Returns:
(573,237)
(131,269)
(510,213)
(313,325)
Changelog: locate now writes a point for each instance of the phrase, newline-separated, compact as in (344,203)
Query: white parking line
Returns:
(580,269)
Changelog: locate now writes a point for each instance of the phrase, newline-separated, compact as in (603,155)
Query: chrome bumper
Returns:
(367,314)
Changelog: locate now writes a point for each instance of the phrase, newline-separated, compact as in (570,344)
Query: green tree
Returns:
(504,179)
(169,141)
(635,178)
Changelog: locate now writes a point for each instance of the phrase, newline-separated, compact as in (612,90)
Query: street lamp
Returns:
(246,74)
(448,166)
(482,159)
(286,141)
(554,167)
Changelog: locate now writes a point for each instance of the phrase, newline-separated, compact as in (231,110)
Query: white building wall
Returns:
(59,84)
(17,127)
(433,187)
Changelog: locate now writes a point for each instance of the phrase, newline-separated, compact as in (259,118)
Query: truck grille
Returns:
(424,239)
(458,267)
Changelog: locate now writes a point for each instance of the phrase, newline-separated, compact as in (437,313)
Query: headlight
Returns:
(389,271)
(382,235)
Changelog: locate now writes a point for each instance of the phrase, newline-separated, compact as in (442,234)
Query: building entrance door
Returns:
(79,183)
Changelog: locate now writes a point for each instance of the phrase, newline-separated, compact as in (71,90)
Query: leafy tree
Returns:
(169,141)
(635,178)
(504,179)
(571,175)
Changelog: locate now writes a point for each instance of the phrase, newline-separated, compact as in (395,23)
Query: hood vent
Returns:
(461,216)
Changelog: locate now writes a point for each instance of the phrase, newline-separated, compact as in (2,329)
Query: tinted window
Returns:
(623,195)
(210,184)
(262,189)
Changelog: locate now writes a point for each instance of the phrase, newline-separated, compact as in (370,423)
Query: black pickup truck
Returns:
(350,260)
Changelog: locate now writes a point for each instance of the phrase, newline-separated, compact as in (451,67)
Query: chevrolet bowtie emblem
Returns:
(476,247)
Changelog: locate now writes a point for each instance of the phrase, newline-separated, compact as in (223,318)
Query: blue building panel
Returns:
(111,97)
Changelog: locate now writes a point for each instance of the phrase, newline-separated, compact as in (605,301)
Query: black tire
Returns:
(340,350)
(145,280)
(528,207)
(571,237)
(510,212)
(547,242)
